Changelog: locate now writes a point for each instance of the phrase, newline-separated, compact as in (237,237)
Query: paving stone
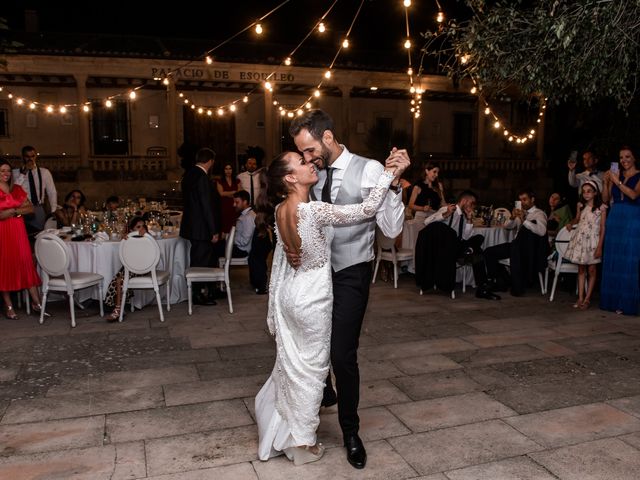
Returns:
(488,340)
(383,463)
(122,380)
(577,424)
(8,374)
(488,377)
(449,411)
(54,435)
(165,422)
(130,461)
(377,370)
(458,447)
(632,439)
(425,364)
(214,339)
(587,329)
(247,351)
(552,348)
(239,471)
(376,423)
(201,450)
(83,405)
(609,459)
(434,385)
(380,392)
(235,368)
(491,356)
(97,463)
(219,389)
(511,324)
(170,359)
(520,468)
(413,349)
(630,405)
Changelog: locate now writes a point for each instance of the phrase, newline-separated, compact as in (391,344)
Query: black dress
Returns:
(428,196)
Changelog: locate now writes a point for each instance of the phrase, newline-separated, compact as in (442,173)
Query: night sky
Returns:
(381,23)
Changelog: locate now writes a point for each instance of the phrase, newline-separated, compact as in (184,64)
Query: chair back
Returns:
(562,241)
(384,242)
(139,253)
(52,255)
(228,249)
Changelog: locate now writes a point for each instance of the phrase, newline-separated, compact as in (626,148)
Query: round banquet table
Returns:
(103,258)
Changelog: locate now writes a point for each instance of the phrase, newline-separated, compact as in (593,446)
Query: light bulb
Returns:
(85,108)
(300,111)
(49,108)
(487,111)
(327,74)
(345,43)
(440,17)
(464,59)
(200,110)
(407,44)
(496,125)
(373,89)
(181,95)
(316,93)
(410,71)
(275,102)
(259,29)
(407,3)
(268,86)
(10,95)
(165,81)
(511,139)
(473,90)
(290,114)
(63,109)
(232,107)
(308,105)
(321,27)
(193,107)
(412,90)
(209,60)
(132,95)
(32,106)
(505,133)
(417,115)
(287,61)
(220,111)
(283,112)
(209,112)
(19,101)
(245,99)
(108,104)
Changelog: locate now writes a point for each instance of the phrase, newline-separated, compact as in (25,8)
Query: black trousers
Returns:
(476,259)
(350,298)
(492,257)
(203,254)
(260,248)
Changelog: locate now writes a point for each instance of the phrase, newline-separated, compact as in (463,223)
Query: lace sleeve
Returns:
(330,214)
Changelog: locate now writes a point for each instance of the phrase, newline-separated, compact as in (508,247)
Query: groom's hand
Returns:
(292,257)
(399,159)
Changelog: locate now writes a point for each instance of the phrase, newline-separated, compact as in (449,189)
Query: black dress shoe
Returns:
(486,294)
(328,402)
(356,454)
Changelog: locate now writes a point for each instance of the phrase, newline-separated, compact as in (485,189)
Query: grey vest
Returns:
(352,244)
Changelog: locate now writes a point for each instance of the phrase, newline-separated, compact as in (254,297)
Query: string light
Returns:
(62,109)
(85,108)
(259,29)
(49,108)
(132,95)
(321,27)
(209,60)
(108,104)
(287,61)
(245,99)
(165,81)
(407,44)
(345,43)
(407,3)
(440,17)
(32,106)
(327,74)
(316,93)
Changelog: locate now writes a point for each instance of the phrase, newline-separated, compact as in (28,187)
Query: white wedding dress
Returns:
(300,308)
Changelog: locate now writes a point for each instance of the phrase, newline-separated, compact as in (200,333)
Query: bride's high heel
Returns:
(302,455)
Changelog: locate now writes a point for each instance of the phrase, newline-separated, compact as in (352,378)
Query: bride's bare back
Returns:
(287,220)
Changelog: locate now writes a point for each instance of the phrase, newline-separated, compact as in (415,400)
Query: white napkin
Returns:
(100,238)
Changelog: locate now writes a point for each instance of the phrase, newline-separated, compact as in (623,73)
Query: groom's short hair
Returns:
(315,121)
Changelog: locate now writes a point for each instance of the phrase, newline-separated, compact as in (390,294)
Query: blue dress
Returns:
(620,288)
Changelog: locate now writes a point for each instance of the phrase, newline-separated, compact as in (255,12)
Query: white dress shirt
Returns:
(390,215)
(49,189)
(534,214)
(577,179)
(246,178)
(245,225)
(458,217)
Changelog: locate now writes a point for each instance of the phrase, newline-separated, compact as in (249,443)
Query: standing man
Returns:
(198,222)
(38,183)
(250,179)
(591,172)
(346,178)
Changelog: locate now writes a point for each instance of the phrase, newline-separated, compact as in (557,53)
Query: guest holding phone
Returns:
(620,289)
(591,172)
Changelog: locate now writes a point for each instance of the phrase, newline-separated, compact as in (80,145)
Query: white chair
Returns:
(543,289)
(557,262)
(51,223)
(54,258)
(212,274)
(140,254)
(387,251)
(501,210)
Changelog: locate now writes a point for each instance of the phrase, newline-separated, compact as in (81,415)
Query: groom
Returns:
(346,178)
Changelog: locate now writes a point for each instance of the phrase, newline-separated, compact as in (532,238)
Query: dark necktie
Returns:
(326,189)
(32,189)
(460,226)
(251,188)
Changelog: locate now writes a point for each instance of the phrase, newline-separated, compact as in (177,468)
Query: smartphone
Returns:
(573,157)
(518,205)
(615,167)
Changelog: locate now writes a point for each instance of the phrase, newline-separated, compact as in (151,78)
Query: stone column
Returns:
(269,126)
(172,124)
(415,133)
(346,113)
(84,171)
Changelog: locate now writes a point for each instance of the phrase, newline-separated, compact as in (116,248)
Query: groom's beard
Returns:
(322,161)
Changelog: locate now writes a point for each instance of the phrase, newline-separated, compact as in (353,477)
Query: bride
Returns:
(300,306)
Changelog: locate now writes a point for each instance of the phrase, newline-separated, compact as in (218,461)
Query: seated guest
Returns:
(245,224)
(73,207)
(459,217)
(559,214)
(112,203)
(113,297)
(528,251)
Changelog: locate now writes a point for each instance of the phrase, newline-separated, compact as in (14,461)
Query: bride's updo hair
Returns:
(273,189)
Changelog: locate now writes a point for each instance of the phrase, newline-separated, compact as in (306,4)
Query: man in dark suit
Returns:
(198,219)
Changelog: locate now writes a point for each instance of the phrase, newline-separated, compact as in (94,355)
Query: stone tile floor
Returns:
(451,390)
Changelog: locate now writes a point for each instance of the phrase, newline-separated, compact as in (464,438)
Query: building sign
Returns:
(191,73)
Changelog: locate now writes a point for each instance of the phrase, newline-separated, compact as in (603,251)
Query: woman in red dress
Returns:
(17,270)
(227,186)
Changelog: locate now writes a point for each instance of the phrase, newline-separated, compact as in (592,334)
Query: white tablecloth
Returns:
(103,258)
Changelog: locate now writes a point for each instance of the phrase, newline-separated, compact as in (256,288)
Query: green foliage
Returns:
(580,49)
